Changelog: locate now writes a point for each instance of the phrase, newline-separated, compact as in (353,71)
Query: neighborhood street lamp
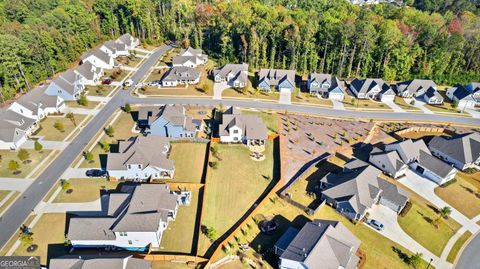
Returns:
(428,265)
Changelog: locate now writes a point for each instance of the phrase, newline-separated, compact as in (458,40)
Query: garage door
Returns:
(388,98)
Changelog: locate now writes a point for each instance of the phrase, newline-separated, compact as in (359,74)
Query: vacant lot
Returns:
(35,157)
(419,224)
(85,190)
(189,161)
(180,233)
(463,195)
(49,132)
(235,185)
(49,235)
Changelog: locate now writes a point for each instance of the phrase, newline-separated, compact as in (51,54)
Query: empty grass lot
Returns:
(234,186)
(85,190)
(418,224)
(49,235)
(179,235)
(49,132)
(25,168)
(189,161)
(457,246)
(463,195)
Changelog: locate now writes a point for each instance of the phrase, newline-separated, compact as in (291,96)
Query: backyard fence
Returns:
(398,134)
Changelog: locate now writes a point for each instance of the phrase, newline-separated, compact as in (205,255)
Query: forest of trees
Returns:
(437,39)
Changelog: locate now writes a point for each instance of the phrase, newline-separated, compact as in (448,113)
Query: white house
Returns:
(415,87)
(90,74)
(114,49)
(326,86)
(242,128)
(462,151)
(235,75)
(389,162)
(180,75)
(190,57)
(99,58)
(14,129)
(36,104)
(129,41)
(136,159)
(464,97)
(372,89)
(131,220)
(433,97)
(68,86)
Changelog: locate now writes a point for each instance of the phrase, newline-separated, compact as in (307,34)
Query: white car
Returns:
(128,82)
(375,224)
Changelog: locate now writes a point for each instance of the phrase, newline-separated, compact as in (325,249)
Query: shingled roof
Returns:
(464,148)
(413,86)
(252,126)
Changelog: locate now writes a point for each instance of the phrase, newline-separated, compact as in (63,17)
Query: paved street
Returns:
(469,258)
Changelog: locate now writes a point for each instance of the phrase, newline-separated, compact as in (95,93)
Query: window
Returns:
(129,166)
(235,131)
(235,138)
(139,166)
(130,242)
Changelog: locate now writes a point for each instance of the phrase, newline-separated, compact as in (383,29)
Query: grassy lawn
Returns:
(418,224)
(169,265)
(74,104)
(179,235)
(49,235)
(250,93)
(305,97)
(122,130)
(234,186)
(130,61)
(115,74)
(3,194)
(269,118)
(25,168)
(167,59)
(9,201)
(403,105)
(463,194)
(364,104)
(458,245)
(101,90)
(189,161)
(445,108)
(156,74)
(49,132)
(181,90)
(85,190)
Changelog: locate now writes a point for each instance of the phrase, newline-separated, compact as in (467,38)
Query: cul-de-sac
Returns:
(230,134)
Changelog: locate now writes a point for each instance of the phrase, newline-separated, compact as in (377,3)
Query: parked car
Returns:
(107,81)
(128,82)
(95,173)
(375,224)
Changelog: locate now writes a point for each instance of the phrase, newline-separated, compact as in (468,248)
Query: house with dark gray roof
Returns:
(133,219)
(99,262)
(414,87)
(68,86)
(372,88)
(190,57)
(433,97)
(98,58)
(278,79)
(242,128)
(235,75)
(419,158)
(14,129)
(129,41)
(464,97)
(36,104)
(180,75)
(474,89)
(462,151)
(327,86)
(141,158)
(91,74)
(319,244)
(389,162)
(358,187)
(168,121)
(115,49)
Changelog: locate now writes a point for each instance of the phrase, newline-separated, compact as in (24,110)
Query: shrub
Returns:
(82,100)
(448,183)
(105,146)
(38,146)
(109,131)
(59,126)
(88,156)
(23,155)
(13,166)
(405,209)
(213,165)
(127,108)
(71,117)
(65,184)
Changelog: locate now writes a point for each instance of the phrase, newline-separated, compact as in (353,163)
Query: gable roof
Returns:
(10,122)
(413,86)
(431,92)
(103,56)
(99,262)
(252,126)
(473,87)
(126,39)
(239,72)
(365,85)
(274,77)
(181,73)
(410,148)
(460,92)
(463,148)
(391,157)
(173,114)
(87,70)
(434,164)
(191,51)
(37,98)
(323,244)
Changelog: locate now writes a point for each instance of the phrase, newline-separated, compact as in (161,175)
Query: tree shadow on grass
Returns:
(402,255)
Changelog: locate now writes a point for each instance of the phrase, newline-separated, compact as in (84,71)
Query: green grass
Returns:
(269,118)
(189,161)
(3,194)
(234,186)
(102,90)
(457,246)
(462,195)
(109,73)
(418,224)
(74,104)
(179,235)
(9,201)
(402,104)
(49,235)
(305,97)
(49,132)
(365,104)
(85,190)
(25,168)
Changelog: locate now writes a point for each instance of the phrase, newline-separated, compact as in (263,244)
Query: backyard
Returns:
(189,161)
(49,132)
(235,185)
(85,190)
(25,167)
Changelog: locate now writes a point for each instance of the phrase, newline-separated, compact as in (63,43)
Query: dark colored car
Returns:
(95,173)
(107,81)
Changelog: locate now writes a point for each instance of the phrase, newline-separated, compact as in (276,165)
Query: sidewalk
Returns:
(394,106)
(338,104)
(420,105)
(47,144)
(15,184)
(81,111)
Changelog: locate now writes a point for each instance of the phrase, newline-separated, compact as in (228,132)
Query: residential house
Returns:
(415,87)
(463,151)
(327,86)
(68,86)
(99,58)
(129,41)
(190,57)
(180,75)
(319,244)
(114,49)
(433,97)
(168,121)
(132,220)
(14,129)
(463,96)
(372,88)
(279,79)
(141,158)
(474,89)
(242,128)
(389,162)
(36,104)
(235,75)
(99,262)
(90,74)
(358,187)
(417,156)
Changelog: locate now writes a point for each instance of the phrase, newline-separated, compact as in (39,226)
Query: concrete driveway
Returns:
(218,88)
(420,104)
(337,104)
(394,106)
(285,97)
(394,232)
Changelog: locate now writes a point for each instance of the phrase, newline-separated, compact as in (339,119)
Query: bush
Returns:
(65,184)
(213,165)
(88,156)
(446,184)
(127,108)
(405,210)
(82,100)
(23,155)
(105,146)
(109,131)
(13,166)
(471,170)
(38,146)
(59,126)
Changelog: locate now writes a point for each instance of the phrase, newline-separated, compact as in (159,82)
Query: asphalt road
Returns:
(469,257)
(21,208)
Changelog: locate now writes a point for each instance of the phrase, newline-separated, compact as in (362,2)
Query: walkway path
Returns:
(420,105)
(394,106)
(451,242)
(47,144)
(81,111)
(218,88)
(285,98)
(98,98)
(338,104)
(75,173)
(15,184)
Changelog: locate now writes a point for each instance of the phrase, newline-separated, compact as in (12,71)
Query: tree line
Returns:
(436,39)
